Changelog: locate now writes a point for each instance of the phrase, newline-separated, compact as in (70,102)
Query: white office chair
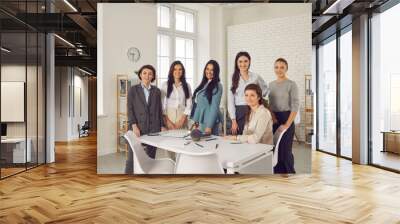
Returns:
(277,140)
(143,164)
(207,164)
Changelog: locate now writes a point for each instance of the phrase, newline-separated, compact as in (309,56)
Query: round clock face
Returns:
(133,54)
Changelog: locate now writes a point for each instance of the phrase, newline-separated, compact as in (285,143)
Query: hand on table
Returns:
(234,127)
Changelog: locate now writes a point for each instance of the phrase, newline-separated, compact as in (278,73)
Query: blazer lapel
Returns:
(139,91)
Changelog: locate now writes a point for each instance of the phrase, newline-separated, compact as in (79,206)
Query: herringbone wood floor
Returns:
(70,191)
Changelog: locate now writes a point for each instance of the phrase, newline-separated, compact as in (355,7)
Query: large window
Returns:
(327,95)
(22,77)
(385,89)
(346,93)
(176,40)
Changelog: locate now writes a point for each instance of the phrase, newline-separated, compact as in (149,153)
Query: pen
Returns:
(199,145)
(210,139)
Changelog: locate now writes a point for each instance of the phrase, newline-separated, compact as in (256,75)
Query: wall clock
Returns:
(133,54)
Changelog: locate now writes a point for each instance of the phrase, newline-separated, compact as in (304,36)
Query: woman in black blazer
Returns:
(145,113)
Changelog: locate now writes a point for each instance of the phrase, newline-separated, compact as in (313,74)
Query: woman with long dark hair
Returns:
(207,98)
(242,77)
(258,119)
(176,97)
(284,105)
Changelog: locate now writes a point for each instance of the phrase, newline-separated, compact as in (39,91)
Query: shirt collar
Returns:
(144,87)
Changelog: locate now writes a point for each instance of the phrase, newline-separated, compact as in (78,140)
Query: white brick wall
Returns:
(287,37)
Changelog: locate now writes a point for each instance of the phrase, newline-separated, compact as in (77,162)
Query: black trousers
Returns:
(285,156)
(241,112)
(150,151)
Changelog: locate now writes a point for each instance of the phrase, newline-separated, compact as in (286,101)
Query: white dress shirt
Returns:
(177,98)
(146,91)
(238,98)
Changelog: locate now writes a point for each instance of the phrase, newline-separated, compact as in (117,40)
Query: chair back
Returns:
(141,161)
(277,140)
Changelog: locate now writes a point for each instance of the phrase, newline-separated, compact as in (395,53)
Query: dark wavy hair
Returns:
(170,81)
(212,85)
(257,89)
(147,67)
(236,72)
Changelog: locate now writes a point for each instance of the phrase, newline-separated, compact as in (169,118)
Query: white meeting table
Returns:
(241,158)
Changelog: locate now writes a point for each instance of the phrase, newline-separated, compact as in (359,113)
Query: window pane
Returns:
(164,67)
(189,68)
(385,91)
(163,13)
(180,47)
(189,22)
(180,20)
(346,94)
(327,97)
(189,48)
(164,46)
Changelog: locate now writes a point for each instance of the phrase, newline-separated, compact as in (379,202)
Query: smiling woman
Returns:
(197,72)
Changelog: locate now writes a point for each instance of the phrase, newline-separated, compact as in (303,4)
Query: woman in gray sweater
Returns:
(284,105)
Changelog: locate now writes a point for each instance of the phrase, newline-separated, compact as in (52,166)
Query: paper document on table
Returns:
(175,133)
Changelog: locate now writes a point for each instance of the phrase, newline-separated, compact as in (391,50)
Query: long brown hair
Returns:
(257,89)
(236,72)
(171,80)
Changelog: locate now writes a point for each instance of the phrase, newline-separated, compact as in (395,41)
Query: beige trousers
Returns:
(174,115)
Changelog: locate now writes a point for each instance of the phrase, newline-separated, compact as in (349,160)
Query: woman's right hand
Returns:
(170,125)
(234,127)
(136,130)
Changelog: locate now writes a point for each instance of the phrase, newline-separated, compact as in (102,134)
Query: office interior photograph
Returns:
(55,116)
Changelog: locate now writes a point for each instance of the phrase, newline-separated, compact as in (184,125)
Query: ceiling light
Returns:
(64,40)
(70,5)
(84,71)
(5,50)
(338,6)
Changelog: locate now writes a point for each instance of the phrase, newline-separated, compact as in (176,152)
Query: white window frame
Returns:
(173,34)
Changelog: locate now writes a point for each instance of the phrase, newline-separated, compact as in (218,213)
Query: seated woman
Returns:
(145,113)
(207,97)
(258,124)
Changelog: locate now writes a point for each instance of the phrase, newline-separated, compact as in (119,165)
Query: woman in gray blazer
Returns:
(145,113)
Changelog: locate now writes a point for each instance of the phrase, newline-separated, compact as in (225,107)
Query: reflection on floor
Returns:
(70,191)
(387,159)
(114,163)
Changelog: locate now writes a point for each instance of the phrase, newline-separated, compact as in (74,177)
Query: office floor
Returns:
(387,159)
(115,163)
(70,191)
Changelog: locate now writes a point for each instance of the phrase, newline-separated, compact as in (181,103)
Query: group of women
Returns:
(252,120)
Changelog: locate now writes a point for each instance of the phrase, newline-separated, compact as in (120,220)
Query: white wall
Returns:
(66,121)
(139,30)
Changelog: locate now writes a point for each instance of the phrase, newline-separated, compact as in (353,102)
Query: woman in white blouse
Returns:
(176,97)
(242,77)
(258,119)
